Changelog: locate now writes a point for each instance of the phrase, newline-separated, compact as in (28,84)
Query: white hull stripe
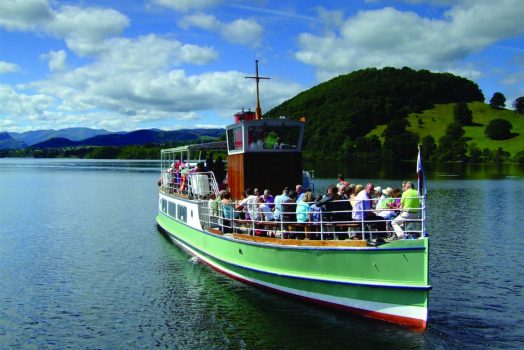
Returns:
(415,312)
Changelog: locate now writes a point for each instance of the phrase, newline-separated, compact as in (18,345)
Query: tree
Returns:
(428,147)
(518,104)
(498,129)
(462,114)
(475,154)
(498,100)
(452,146)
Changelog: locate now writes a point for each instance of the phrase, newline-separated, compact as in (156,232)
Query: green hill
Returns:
(346,108)
(435,120)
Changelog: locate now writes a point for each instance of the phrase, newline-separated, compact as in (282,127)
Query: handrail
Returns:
(329,226)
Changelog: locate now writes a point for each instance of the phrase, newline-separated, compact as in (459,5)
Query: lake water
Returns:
(83,265)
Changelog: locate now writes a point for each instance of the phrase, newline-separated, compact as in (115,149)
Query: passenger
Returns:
(219,170)
(209,163)
(246,205)
(300,193)
(269,199)
(251,204)
(278,203)
(341,181)
(302,210)
(315,209)
(257,213)
(212,205)
(270,140)
(265,210)
(383,207)
(219,198)
(353,197)
(342,192)
(226,205)
(409,204)
(342,208)
(326,203)
(289,208)
(395,204)
(362,209)
(378,196)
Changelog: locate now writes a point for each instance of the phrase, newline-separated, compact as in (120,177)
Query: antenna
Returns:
(257,78)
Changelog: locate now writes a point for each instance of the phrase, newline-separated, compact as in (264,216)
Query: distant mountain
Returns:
(56,142)
(7,142)
(138,137)
(74,134)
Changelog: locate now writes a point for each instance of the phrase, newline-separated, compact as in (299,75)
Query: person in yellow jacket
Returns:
(409,205)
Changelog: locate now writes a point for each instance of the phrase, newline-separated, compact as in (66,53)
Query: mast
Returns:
(257,79)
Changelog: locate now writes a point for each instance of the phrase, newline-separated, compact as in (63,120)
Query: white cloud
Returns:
(142,96)
(57,60)
(186,5)
(14,104)
(200,20)
(243,31)
(84,29)
(24,14)
(7,67)
(390,37)
(240,31)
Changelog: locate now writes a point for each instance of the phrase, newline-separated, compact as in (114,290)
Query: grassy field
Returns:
(434,121)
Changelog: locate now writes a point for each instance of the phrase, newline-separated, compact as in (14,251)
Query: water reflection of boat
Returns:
(341,265)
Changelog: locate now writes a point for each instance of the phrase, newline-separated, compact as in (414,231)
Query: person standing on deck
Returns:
(278,203)
(268,199)
(409,204)
(300,192)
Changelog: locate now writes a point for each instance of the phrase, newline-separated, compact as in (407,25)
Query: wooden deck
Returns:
(302,242)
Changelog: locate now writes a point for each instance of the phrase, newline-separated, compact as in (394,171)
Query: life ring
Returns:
(182,182)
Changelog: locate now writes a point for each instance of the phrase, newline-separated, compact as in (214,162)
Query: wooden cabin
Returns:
(264,153)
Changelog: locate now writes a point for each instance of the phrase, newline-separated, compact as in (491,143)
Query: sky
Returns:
(124,65)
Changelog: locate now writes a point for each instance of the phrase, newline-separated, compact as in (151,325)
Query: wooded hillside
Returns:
(345,108)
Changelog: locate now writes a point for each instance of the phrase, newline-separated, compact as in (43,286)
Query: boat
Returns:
(333,261)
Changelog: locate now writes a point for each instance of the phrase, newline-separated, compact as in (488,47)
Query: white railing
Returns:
(196,185)
(336,224)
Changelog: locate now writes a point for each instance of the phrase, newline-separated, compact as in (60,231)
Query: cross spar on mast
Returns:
(258,111)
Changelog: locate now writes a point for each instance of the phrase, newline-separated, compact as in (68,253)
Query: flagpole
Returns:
(422,191)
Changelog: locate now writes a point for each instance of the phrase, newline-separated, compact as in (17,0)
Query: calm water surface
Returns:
(83,265)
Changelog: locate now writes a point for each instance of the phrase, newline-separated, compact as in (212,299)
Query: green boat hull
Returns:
(389,282)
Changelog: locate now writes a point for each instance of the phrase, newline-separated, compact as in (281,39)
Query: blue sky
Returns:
(170,64)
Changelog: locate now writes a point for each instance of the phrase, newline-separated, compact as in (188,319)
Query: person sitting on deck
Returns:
(278,203)
(326,203)
(356,191)
(303,204)
(315,209)
(379,196)
(409,204)
(362,208)
(342,190)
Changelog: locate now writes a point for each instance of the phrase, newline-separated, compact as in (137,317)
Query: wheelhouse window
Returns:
(273,137)
(235,139)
